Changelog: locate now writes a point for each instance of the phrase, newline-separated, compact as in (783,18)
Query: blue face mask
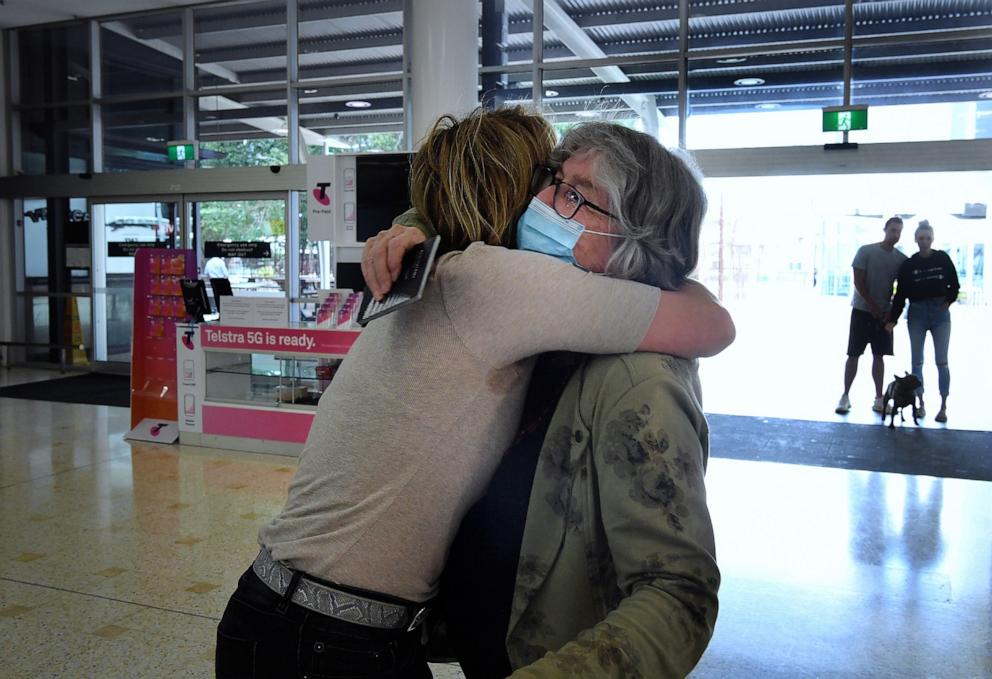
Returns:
(541,229)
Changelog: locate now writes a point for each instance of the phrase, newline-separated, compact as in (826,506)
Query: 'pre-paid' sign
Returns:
(320,197)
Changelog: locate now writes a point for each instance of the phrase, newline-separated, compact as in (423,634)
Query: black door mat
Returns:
(947,453)
(92,388)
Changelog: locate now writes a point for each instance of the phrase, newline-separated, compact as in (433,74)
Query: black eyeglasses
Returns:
(567,200)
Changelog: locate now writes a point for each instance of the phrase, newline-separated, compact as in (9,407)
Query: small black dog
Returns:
(902,393)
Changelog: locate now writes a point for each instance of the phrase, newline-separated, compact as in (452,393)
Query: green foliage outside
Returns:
(363,143)
(263,220)
(246,152)
(251,220)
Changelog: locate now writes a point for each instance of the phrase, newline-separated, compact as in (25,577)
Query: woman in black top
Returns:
(930,282)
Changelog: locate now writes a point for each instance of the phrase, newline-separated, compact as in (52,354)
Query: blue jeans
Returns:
(928,315)
(256,639)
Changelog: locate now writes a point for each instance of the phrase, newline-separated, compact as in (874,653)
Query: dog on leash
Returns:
(901,392)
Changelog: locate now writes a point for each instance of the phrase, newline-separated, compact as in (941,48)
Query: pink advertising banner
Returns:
(277,340)
(272,425)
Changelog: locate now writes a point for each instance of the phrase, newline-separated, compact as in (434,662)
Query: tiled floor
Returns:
(117,558)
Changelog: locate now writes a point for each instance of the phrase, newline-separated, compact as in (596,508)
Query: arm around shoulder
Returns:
(690,323)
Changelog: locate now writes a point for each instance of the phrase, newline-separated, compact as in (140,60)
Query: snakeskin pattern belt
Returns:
(333,602)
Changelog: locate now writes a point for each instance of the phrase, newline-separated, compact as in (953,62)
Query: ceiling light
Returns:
(732,60)
(985,95)
(280,130)
(586,114)
(749,82)
(309,91)
(551,93)
(768,106)
(358,104)
(154,139)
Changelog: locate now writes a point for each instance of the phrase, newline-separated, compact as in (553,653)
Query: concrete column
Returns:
(444,60)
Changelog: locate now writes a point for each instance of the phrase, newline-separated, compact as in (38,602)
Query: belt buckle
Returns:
(418,618)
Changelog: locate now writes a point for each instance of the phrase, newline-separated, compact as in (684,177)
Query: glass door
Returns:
(119,229)
(242,239)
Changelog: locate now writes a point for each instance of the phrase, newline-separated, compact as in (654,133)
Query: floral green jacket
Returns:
(617,574)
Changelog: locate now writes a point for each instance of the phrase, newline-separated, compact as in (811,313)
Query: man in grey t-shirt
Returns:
(875,269)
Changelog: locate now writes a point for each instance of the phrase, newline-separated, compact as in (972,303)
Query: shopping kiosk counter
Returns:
(253,388)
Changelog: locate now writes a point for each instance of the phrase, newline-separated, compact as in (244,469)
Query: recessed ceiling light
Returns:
(154,139)
(768,106)
(309,91)
(551,93)
(358,104)
(586,114)
(985,95)
(749,82)
(732,60)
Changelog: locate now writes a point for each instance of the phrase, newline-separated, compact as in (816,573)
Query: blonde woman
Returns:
(592,551)
(415,421)
(929,281)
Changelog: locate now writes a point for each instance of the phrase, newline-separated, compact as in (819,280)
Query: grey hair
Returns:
(924,226)
(655,194)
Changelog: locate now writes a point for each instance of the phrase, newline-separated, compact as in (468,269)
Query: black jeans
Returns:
(255,640)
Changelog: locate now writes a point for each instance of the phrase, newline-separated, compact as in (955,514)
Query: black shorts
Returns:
(865,330)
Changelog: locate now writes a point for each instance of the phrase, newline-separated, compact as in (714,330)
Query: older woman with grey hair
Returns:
(592,553)
(656,197)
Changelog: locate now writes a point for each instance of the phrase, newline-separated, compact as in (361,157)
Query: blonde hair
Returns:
(471,177)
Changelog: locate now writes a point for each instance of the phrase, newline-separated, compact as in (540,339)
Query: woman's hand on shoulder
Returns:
(382,257)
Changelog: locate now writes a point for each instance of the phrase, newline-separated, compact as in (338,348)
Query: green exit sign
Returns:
(845,118)
(182,150)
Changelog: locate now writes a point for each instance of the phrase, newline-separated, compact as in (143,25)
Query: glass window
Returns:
(247,129)
(763,100)
(494,37)
(756,100)
(335,43)
(135,134)
(240,43)
(119,229)
(260,223)
(330,122)
(142,55)
(55,140)
(63,55)
(786,243)
(910,16)
(645,101)
(729,25)
(925,91)
(35,222)
(806,243)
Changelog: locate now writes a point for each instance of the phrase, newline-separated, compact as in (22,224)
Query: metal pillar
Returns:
(537,79)
(683,94)
(495,32)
